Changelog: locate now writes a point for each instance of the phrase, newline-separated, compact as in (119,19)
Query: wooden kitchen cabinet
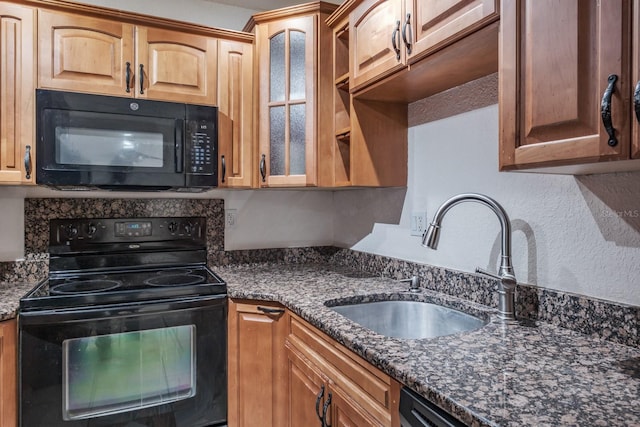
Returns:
(293,48)
(111,57)
(8,372)
(17,89)
(235,120)
(257,364)
(323,374)
(556,59)
(388,35)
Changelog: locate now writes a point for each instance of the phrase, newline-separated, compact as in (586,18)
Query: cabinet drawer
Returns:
(373,390)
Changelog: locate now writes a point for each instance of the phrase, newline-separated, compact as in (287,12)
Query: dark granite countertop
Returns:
(533,374)
(10,298)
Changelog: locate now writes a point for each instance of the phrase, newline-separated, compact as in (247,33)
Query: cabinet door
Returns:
(346,413)
(635,148)
(556,57)
(176,66)
(17,89)
(307,392)
(375,25)
(84,54)
(434,24)
(257,364)
(8,374)
(287,102)
(235,95)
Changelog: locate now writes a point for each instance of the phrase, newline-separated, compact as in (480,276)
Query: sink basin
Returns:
(409,319)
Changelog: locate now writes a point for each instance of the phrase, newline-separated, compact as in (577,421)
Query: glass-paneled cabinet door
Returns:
(287,103)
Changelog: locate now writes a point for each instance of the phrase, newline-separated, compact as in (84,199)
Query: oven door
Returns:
(91,140)
(155,364)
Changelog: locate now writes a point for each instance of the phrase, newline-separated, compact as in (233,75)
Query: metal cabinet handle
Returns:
(318,399)
(636,101)
(263,168)
(407,37)
(394,42)
(268,310)
(223,166)
(141,79)
(605,110)
(127,77)
(27,162)
(325,408)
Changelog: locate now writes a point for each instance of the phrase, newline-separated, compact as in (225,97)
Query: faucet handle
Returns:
(487,273)
(414,283)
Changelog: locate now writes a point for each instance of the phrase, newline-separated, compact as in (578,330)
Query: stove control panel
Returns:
(92,231)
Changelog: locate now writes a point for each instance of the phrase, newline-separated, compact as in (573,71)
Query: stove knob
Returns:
(187,228)
(173,226)
(72,231)
(91,229)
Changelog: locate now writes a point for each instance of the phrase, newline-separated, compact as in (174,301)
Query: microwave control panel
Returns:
(201,151)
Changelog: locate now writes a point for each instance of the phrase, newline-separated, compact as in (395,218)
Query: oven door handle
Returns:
(120,310)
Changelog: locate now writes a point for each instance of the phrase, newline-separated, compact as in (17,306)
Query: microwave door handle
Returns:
(180,139)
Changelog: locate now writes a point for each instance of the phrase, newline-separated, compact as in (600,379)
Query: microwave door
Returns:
(109,150)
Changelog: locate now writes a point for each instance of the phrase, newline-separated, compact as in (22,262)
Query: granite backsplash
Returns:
(603,319)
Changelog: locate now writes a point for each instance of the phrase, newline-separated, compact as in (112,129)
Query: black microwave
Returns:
(106,142)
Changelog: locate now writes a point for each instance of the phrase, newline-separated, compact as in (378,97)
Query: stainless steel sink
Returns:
(409,319)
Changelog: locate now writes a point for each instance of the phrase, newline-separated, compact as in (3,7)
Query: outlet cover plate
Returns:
(230,218)
(418,223)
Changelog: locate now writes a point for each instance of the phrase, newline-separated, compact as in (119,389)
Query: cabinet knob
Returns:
(325,408)
(141,79)
(394,42)
(605,110)
(27,162)
(127,78)
(223,167)
(407,37)
(318,400)
(263,168)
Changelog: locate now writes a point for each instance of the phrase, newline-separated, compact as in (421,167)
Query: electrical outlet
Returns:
(418,223)
(230,218)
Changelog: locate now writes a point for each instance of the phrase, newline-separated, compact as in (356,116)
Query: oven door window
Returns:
(81,140)
(110,374)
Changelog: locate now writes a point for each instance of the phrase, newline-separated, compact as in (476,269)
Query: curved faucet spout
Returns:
(506,289)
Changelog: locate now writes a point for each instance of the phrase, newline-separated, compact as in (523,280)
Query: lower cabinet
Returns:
(285,372)
(256,364)
(331,386)
(8,374)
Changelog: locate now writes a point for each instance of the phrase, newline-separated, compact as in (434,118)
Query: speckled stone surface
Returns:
(527,374)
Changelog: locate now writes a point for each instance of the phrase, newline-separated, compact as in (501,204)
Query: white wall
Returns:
(201,12)
(573,234)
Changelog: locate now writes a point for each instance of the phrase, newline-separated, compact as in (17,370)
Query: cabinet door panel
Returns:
(556,58)
(437,23)
(8,374)
(17,88)
(83,54)
(635,80)
(235,92)
(372,26)
(305,385)
(177,66)
(257,379)
(345,413)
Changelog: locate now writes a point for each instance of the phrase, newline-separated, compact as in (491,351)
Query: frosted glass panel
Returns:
(296,65)
(297,138)
(110,374)
(277,140)
(277,67)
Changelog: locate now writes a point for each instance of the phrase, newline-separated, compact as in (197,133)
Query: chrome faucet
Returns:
(507,285)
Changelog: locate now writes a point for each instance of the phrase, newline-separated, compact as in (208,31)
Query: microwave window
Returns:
(105,147)
(110,374)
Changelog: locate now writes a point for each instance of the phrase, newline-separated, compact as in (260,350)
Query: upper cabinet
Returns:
(235,118)
(17,89)
(388,35)
(567,76)
(111,57)
(293,47)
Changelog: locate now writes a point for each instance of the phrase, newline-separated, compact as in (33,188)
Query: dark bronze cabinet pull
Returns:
(394,42)
(325,408)
(263,168)
(407,37)
(27,161)
(605,110)
(268,310)
(223,166)
(318,399)
(636,101)
(141,79)
(127,77)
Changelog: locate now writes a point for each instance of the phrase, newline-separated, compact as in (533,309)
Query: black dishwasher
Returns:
(416,411)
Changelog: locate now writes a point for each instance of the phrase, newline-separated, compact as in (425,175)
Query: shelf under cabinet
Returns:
(342,82)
